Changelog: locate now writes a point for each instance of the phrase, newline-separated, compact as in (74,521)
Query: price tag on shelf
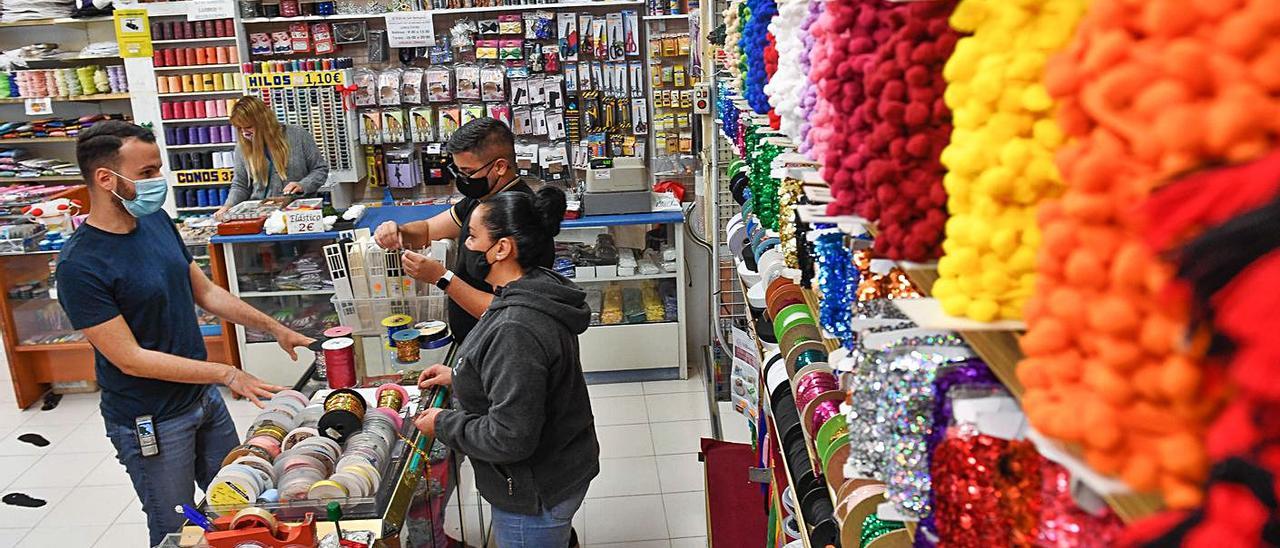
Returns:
(39,106)
(301,222)
(410,29)
(204,176)
(319,78)
(203,10)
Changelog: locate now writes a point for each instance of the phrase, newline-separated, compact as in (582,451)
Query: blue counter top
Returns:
(375,216)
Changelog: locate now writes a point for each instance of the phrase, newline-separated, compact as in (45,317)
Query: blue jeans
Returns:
(550,529)
(192,446)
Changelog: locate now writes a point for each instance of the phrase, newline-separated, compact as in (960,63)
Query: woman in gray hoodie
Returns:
(521,410)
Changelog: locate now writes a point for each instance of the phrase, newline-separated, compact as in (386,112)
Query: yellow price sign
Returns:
(318,78)
(204,176)
(133,32)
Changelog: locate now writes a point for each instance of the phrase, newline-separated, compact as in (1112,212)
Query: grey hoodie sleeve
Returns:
(317,165)
(515,378)
(241,187)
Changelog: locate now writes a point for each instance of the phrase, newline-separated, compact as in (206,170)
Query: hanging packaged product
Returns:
(521,121)
(449,116)
(635,76)
(470,112)
(500,112)
(540,25)
(322,39)
(568,33)
(393,126)
(468,81)
(510,24)
(490,27)
(533,57)
(640,116)
(510,50)
(442,52)
(550,60)
(378,49)
(487,49)
(370,127)
(422,124)
(520,91)
(614,48)
(350,32)
(553,162)
(404,171)
(584,77)
(631,30)
(553,86)
(678,76)
(389,86)
(366,82)
(439,84)
(527,159)
(260,43)
(281,44)
(571,78)
(493,83)
(540,121)
(299,38)
(537,90)
(411,86)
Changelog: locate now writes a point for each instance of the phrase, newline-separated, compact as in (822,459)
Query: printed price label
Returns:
(204,176)
(39,106)
(203,10)
(296,79)
(410,29)
(301,222)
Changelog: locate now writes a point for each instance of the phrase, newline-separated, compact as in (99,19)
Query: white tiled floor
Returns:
(649,492)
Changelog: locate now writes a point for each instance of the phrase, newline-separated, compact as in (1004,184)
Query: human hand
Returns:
(290,340)
(249,386)
(436,375)
(421,267)
(293,188)
(220,214)
(387,236)
(426,421)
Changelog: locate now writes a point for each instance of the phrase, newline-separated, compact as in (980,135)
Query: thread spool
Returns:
(406,342)
(398,322)
(343,414)
(340,362)
(392,396)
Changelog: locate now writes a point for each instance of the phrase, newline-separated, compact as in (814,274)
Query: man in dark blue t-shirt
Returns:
(126,279)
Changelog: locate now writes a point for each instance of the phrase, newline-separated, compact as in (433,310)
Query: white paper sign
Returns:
(301,222)
(410,29)
(39,106)
(204,10)
(744,347)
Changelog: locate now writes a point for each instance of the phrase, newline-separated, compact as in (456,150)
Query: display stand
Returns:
(384,514)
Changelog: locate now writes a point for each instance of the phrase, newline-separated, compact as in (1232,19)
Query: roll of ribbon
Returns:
(392,396)
(798,334)
(340,362)
(407,348)
(791,315)
(343,416)
(804,354)
(338,331)
(832,428)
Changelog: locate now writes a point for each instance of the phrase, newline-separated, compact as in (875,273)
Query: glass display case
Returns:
(630,267)
(286,279)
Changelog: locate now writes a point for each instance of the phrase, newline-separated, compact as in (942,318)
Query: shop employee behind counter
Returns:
(484,164)
(125,278)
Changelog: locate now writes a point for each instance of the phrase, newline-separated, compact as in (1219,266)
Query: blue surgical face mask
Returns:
(150,195)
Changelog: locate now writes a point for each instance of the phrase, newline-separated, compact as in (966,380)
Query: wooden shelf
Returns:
(193,41)
(36,140)
(200,93)
(453,11)
(54,21)
(194,67)
(43,179)
(73,98)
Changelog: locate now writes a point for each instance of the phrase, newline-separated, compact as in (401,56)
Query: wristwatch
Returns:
(443,282)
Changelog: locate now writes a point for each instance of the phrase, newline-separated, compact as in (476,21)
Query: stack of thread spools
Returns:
(67,82)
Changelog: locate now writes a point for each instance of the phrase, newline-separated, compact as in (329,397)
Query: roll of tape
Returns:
(255,517)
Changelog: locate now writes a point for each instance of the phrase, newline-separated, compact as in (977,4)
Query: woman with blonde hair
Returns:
(272,159)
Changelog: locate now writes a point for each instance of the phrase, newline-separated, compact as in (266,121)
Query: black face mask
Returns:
(471,186)
(483,266)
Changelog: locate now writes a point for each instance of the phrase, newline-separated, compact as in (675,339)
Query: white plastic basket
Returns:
(365,316)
